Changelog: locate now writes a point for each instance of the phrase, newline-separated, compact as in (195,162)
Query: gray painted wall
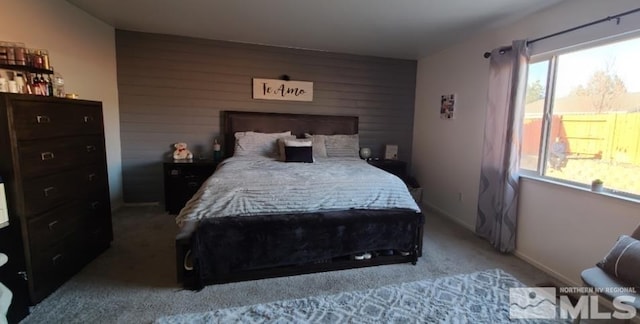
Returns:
(173,88)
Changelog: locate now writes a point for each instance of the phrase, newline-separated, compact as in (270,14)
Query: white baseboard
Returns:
(116,205)
(555,275)
(431,208)
(561,279)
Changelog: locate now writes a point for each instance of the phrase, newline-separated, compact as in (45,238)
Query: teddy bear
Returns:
(181,152)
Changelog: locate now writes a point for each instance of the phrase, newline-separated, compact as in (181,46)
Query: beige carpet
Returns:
(134,281)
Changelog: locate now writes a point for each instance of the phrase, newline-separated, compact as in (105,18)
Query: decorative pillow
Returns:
(342,145)
(281,155)
(317,141)
(623,261)
(298,151)
(253,143)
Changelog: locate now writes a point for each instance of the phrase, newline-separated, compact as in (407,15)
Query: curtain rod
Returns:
(609,18)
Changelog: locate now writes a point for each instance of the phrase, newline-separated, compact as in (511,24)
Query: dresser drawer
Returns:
(98,211)
(98,203)
(100,235)
(44,157)
(52,266)
(51,227)
(187,173)
(43,193)
(35,120)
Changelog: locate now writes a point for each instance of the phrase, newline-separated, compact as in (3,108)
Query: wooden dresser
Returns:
(52,157)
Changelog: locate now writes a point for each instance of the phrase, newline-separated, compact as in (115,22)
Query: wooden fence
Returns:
(610,137)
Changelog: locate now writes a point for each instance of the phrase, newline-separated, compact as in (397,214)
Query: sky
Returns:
(576,68)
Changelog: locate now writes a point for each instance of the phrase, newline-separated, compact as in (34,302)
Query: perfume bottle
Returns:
(58,85)
(217,152)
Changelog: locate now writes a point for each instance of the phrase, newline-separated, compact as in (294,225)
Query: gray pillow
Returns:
(623,261)
(342,145)
(317,142)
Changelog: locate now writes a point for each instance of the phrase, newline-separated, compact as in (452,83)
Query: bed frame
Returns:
(230,249)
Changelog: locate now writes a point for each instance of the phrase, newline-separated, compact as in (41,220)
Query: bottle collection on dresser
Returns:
(28,71)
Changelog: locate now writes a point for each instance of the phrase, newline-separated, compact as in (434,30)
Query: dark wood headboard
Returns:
(298,124)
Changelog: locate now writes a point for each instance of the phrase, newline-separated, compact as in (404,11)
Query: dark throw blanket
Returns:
(223,247)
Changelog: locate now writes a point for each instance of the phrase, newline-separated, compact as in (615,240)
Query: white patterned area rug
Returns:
(480,297)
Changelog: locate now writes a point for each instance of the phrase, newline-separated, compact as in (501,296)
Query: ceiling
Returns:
(407,29)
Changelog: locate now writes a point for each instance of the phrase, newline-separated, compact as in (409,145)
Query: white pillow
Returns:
(297,142)
(261,144)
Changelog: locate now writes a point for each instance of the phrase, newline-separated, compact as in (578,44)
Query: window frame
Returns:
(547,115)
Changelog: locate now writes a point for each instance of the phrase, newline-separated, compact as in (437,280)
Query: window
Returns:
(582,114)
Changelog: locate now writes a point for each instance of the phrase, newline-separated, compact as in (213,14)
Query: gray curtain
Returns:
(498,198)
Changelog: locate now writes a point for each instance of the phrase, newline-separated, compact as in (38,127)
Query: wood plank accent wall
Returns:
(172,89)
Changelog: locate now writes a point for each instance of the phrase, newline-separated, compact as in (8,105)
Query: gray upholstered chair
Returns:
(596,277)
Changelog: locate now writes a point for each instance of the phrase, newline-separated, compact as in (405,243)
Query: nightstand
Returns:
(182,178)
(397,167)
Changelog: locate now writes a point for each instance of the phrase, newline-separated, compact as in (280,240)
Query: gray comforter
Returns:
(245,186)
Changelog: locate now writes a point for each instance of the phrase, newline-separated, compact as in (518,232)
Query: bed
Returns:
(217,244)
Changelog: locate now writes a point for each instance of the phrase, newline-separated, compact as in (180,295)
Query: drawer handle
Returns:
(56,259)
(192,184)
(95,205)
(188,262)
(47,156)
(43,119)
(91,176)
(88,119)
(52,224)
(91,148)
(48,190)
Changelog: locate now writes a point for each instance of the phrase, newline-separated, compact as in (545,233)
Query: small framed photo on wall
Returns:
(391,152)
(447,106)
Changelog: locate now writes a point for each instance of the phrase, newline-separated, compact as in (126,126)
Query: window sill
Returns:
(607,193)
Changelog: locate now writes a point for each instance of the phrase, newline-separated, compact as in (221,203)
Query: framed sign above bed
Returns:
(272,89)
